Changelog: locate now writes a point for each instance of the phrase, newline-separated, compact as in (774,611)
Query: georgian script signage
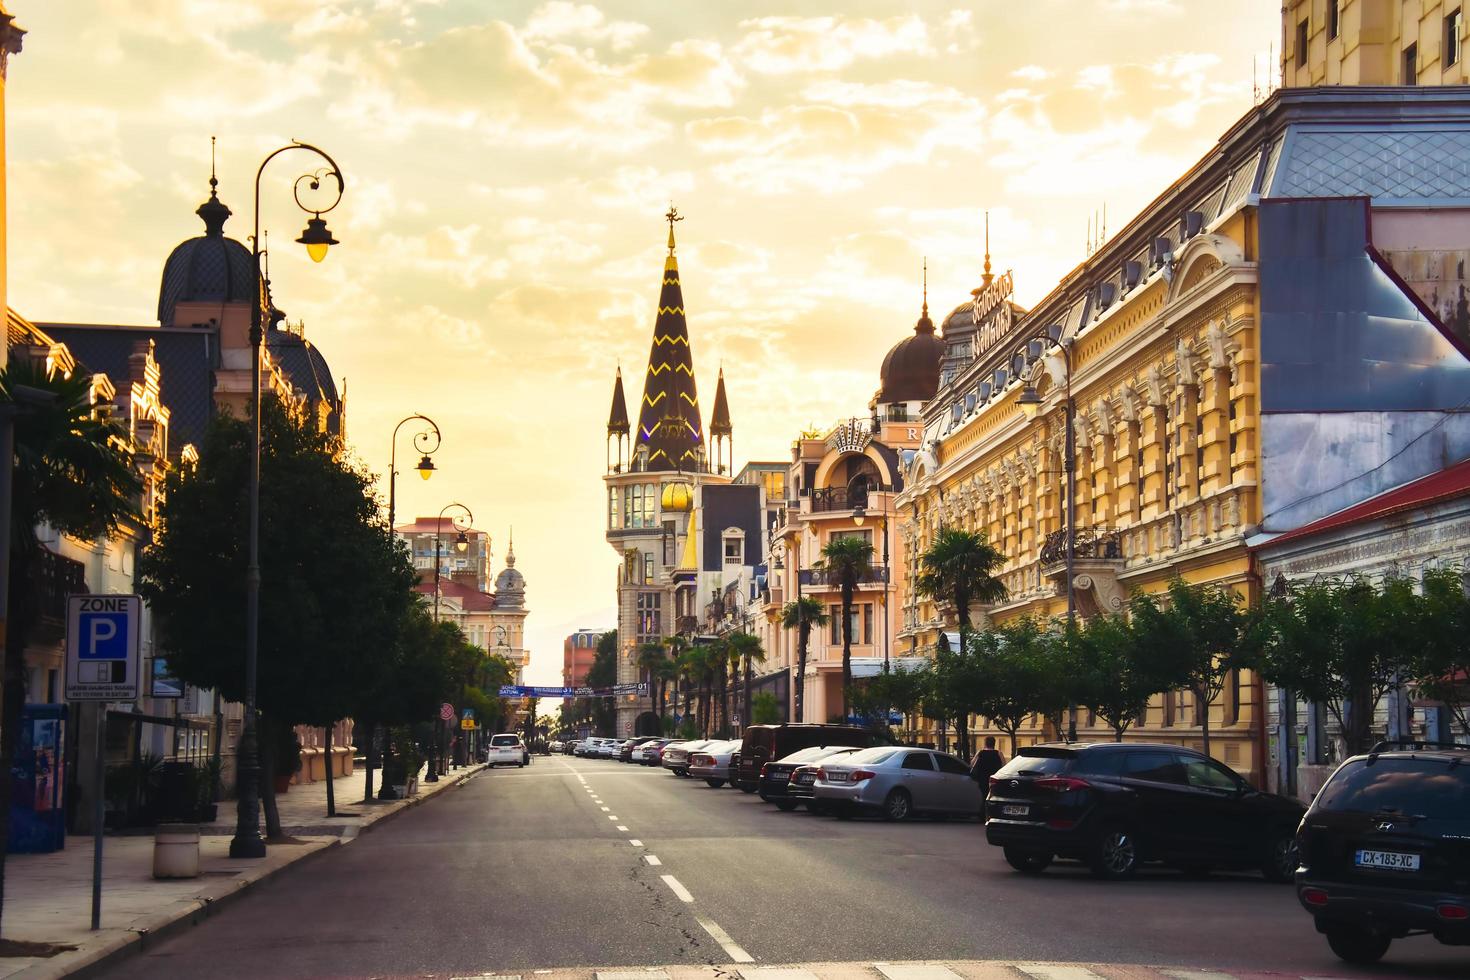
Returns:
(519,691)
(991,312)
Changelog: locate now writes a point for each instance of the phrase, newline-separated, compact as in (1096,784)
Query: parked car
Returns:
(653,753)
(676,756)
(625,751)
(767,743)
(712,763)
(1384,851)
(639,753)
(898,782)
(556,747)
(800,788)
(506,750)
(1119,806)
(775,777)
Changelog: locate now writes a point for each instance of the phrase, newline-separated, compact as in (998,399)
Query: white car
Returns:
(506,750)
(712,763)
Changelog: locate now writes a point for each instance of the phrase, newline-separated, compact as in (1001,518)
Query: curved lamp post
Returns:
(247,842)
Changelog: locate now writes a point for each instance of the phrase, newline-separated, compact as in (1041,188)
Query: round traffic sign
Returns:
(446,711)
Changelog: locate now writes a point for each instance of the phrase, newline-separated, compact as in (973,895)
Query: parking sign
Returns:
(102,647)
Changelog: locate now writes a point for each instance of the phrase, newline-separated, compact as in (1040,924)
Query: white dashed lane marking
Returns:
(680,892)
(652,859)
(635,842)
(726,943)
(622,828)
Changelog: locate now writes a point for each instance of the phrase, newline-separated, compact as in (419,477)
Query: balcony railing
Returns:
(841,498)
(826,577)
(1091,542)
(686,624)
(58,577)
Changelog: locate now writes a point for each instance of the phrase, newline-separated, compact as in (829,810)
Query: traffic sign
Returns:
(102,662)
(468,724)
(446,712)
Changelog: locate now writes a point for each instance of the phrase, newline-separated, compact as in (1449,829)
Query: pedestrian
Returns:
(986,764)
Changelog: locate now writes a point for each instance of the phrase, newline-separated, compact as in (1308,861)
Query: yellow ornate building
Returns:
(1243,357)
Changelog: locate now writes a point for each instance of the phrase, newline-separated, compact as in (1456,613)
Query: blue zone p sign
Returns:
(102,661)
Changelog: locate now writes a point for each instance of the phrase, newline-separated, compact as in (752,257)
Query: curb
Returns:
(148,931)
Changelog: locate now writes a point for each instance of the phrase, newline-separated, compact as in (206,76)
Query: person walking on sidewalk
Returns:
(987,763)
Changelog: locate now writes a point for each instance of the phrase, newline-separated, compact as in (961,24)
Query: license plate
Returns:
(1388,860)
(1013,810)
(836,777)
(803,780)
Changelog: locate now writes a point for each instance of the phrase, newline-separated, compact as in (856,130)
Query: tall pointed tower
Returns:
(617,428)
(721,432)
(670,434)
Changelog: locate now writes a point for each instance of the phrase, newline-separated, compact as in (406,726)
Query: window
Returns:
(1199,450)
(1411,65)
(670,536)
(1301,44)
(864,535)
(612,508)
(951,765)
(734,551)
(1138,477)
(649,619)
(1453,30)
(1332,20)
(1154,767)
(1209,774)
(1436,789)
(648,568)
(834,616)
(917,760)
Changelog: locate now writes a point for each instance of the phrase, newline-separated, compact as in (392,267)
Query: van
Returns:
(766,743)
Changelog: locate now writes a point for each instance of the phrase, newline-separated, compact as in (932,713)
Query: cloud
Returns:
(788,45)
(561,19)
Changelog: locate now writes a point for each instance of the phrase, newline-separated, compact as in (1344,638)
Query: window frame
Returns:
(1334,20)
(1303,39)
(1454,26)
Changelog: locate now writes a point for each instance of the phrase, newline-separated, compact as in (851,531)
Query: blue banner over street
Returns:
(517,691)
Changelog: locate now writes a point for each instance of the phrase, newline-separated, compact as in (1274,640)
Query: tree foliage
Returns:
(802,614)
(847,560)
(1443,669)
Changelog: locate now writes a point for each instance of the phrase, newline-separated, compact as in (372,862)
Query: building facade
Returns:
(1373,42)
(1260,347)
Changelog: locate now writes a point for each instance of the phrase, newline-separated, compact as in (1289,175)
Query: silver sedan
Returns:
(712,763)
(898,782)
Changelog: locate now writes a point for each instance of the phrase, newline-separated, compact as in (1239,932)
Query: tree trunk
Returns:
(846,650)
(23,612)
(962,736)
(746,715)
(1202,709)
(371,757)
(803,637)
(270,738)
(329,774)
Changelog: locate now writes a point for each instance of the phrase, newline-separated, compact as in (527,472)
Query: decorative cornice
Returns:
(11,35)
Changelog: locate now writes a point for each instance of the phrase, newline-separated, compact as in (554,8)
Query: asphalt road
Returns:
(532,869)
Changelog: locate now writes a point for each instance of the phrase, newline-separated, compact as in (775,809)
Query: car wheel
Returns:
(747,789)
(1114,854)
(818,809)
(1280,862)
(1356,945)
(785,806)
(714,783)
(520,765)
(1028,862)
(843,811)
(898,805)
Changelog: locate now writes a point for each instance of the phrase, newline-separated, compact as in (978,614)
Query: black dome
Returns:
(300,360)
(911,369)
(211,267)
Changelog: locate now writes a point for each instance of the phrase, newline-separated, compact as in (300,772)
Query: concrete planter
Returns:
(176,850)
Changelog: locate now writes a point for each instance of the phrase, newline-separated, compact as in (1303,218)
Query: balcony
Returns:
(822,577)
(56,578)
(1092,543)
(686,625)
(841,498)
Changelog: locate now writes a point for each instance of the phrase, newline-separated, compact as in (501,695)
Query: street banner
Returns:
(519,691)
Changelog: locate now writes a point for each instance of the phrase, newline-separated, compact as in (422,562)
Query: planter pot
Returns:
(283,784)
(413,785)
(176,850)
(402,790)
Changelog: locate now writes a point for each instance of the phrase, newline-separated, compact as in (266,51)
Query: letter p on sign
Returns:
(104,636)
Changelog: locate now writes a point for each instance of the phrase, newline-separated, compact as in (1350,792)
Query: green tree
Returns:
(1204,631)
(847,560)
(959,568)
(1119,674)
(1442,671)
(72,472)
(651,660)
(747,649)
(1012,675)
(764,710)
(801,615)
(604,673)
(1344,644)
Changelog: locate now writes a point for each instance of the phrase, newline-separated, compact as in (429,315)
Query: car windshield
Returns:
(1035,765)
(870,757)
(504,739)
(1434,789)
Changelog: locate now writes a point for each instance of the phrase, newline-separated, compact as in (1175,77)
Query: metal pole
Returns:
(1070,465)
(99,815)
(7,476)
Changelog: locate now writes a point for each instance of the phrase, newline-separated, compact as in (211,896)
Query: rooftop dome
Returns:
(510,585)
(911,370)
(677,497)
(303,363)
(211,267)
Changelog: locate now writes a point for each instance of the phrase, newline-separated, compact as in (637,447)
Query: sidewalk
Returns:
(48,897)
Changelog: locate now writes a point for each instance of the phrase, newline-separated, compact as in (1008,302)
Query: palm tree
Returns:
(960,566)
(746,649)
(849,560)
(651,658)
(801,615)
(688,665)
(73,473)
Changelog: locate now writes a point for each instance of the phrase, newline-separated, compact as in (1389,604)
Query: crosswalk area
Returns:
(925,970)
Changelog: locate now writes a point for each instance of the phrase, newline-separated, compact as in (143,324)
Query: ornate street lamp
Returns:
(247,842)
(1030,403)
(461,523)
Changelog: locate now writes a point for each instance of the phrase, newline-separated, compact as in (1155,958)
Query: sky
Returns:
(508,165)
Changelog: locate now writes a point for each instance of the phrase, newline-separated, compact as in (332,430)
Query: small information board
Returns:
(102,648)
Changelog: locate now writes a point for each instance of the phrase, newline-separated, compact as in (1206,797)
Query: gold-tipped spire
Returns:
(926,285)
(671,216)
(988,275)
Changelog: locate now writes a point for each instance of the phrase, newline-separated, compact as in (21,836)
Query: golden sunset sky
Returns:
(508,165)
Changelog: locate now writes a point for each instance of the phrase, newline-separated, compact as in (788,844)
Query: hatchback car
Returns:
(898,782)
(506,750)
(1119,806)
(712,763)
(1384,850)
(775,777)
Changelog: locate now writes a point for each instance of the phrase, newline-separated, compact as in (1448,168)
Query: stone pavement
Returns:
(48,896)
(915,970)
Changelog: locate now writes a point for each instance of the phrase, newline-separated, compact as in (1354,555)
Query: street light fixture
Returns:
(425,467)
(1030,403)
(461,543)
(461,522)
(247,842)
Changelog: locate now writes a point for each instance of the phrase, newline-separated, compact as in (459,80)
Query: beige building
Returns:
(1373,42)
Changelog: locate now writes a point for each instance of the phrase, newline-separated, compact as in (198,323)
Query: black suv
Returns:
(1385,849)
(1117,806)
